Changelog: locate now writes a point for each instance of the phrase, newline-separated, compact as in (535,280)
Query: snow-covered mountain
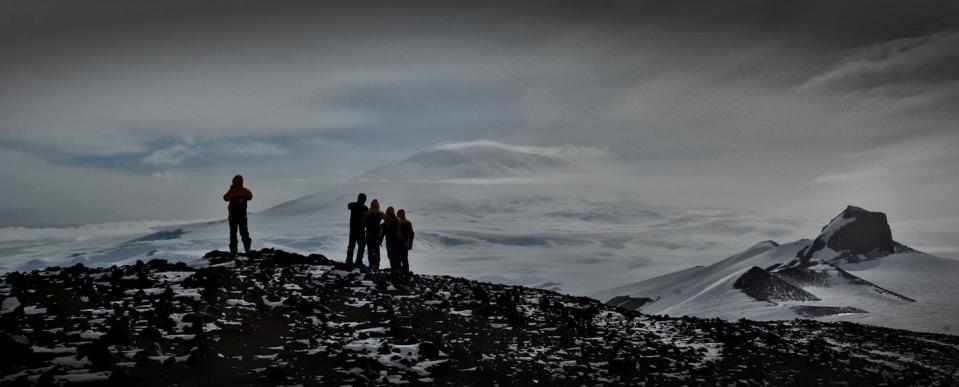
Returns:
(483,210)
(853,270)
(476,160)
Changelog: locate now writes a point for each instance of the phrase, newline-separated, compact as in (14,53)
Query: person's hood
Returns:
(238,180)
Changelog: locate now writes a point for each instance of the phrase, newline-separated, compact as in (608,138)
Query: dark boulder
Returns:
(161,265)
(429,350)
(217,256)
(630,303)
(199,318)
(98,353)
(16,349)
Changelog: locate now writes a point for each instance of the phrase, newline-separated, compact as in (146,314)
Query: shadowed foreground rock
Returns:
(278,318)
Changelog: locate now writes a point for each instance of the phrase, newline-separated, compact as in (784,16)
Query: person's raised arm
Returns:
(248,194)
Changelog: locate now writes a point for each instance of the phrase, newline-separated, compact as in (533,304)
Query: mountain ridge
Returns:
(820,278)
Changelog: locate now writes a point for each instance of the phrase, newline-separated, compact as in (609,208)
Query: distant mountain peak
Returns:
(472,161)
(829,276)
(855,231)
(767,243)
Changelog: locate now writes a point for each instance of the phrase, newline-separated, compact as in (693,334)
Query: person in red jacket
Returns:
(237,197)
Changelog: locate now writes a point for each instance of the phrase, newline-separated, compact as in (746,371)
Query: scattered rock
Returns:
(280,318)
(429,350)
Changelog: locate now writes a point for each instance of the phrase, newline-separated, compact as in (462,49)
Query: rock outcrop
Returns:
(764,286)
(853,232)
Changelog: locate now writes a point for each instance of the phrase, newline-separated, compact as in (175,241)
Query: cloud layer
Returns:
(117,111)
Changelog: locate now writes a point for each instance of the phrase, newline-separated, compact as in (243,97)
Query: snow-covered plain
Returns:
(482,210)
(562,217)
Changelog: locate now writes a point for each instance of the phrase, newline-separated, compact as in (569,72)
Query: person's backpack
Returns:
(238,205)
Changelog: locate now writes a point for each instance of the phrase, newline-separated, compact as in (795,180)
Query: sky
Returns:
(120,111)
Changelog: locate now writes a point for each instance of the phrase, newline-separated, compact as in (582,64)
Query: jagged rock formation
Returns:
(276,318)
(627,302)
(763,286)
(853,232)
(821,311)
(801,276)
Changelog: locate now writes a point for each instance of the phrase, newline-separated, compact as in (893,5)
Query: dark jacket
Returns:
(406,234)
(391,232)
(357,213)
(237,196)
(372,224)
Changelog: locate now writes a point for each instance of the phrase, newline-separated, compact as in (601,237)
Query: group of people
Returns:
(369,228)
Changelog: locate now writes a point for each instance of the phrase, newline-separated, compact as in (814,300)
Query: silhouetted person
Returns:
(406,238)
(237,196)
(391,233)
(357,237)
(374,231)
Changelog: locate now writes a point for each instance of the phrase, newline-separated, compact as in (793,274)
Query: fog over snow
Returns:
(585,142)
(483,209)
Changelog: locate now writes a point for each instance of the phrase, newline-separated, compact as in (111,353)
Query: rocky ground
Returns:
(278,318)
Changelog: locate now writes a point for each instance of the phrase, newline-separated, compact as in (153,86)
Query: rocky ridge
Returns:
(286,319)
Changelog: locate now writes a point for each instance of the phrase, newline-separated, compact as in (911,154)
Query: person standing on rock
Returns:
(357,237)
(391,233)
(374,230)
(237,196)
(406,240)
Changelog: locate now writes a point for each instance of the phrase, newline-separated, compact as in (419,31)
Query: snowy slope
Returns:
(870,279)
(930,280)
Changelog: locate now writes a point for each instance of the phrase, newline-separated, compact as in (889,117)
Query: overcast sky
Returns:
(131,110)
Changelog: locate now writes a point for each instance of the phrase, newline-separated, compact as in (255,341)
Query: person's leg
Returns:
(391,256)
(245,233)
(233,241)
(360,248)
(373,251)
(350,247)
(405,260)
